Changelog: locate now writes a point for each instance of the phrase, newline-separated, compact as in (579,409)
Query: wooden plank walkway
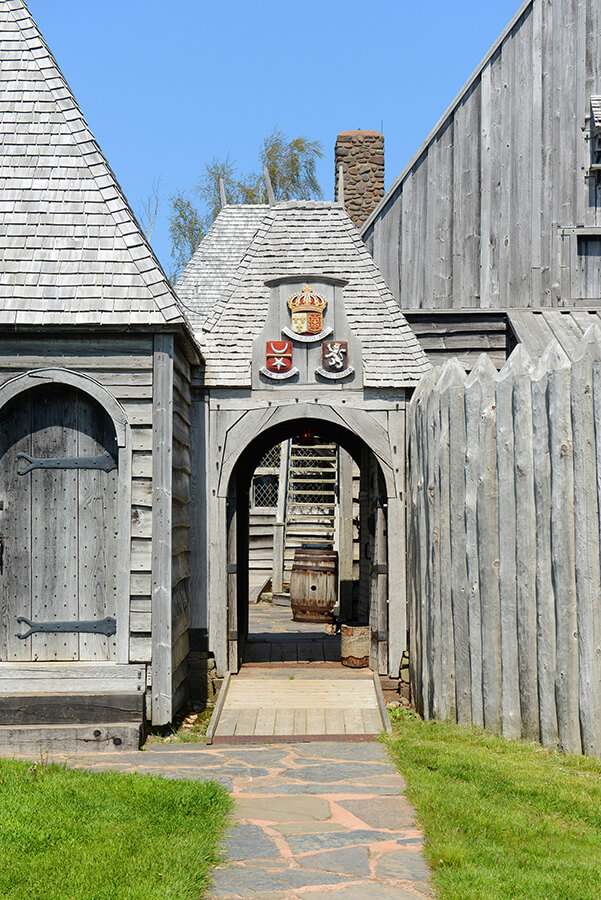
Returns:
(292,704)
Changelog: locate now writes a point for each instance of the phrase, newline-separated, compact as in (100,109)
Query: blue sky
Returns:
(165,87)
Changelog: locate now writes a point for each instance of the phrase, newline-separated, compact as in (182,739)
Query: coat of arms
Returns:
(334,356)
(307,309)
(278,357)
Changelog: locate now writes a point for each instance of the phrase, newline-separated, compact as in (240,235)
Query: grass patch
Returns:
(502,819)
(73,835)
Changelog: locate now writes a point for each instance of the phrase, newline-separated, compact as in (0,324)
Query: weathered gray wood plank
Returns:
(162,417)
(563,550)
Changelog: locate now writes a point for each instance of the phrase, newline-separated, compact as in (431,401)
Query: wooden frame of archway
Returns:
(38,377)
(388,450)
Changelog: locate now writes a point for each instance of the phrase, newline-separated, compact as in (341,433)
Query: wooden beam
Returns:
(162,431)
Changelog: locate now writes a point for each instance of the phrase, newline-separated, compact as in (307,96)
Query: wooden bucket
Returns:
(354,646)
(314,585)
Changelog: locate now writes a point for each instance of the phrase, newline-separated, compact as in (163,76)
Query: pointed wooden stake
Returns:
(268,187)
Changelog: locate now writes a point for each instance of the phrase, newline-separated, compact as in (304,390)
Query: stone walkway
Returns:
(312,820)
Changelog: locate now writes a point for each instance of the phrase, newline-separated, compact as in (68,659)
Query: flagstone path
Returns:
(312,820)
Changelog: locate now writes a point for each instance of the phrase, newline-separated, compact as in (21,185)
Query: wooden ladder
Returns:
(311,498)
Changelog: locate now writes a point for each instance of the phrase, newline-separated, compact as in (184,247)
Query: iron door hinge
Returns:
(103,463)
(106,626)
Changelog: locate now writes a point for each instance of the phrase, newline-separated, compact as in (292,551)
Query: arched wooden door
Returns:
(59,525)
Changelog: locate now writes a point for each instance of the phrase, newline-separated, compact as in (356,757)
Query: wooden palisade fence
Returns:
(504,562)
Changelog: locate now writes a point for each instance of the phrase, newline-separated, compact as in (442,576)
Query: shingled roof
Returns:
(204,280)
(297,239)
(72,252)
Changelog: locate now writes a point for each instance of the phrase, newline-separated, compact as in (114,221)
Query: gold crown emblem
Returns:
(307,301)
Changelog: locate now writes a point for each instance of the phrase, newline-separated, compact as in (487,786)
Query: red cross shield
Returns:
(278,356)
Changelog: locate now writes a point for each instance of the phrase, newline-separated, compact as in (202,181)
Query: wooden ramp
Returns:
(298,704)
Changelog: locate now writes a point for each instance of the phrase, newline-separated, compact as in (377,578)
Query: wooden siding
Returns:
(465,335)
(477,217)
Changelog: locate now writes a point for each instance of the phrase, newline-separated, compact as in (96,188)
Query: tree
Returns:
(291,165)
(149,209)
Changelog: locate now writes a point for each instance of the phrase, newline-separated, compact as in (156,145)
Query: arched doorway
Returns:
(64,492)
(371,592)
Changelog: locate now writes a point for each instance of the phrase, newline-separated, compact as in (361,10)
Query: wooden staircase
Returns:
(311,498)
(260,549)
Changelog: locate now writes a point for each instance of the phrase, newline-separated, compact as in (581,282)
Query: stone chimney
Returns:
(361,155)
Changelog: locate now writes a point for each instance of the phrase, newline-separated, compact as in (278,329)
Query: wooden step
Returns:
(71,709)
(39,740)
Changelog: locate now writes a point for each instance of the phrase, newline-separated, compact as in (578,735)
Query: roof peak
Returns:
(288,241)
(83,257)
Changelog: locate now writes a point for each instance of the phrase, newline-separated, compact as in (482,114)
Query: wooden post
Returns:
(511,726)
(487,517)
(279,528)
(473,400)
(198,513)
(420,399)
(455,380)
(586,533)
(447,649)
(545,588)
(413,561)
(232,583)
(345,533)
(563,550)
(162,431)
(525,547)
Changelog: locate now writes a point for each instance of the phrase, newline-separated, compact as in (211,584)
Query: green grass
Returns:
(73,835)
(502,819)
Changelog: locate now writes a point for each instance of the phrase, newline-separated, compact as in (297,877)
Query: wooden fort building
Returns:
(133,414)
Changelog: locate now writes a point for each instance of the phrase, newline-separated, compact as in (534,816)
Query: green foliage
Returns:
(70,835)
(291,166)
(504,820)
(186,230)
(292,169)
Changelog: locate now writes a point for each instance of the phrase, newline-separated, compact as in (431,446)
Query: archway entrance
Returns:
(303,554)
(363,588)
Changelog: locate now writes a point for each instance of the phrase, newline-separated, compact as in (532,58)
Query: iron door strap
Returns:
(106,626)
(104,462)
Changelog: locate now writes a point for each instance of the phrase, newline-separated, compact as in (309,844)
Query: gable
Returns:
(312,240)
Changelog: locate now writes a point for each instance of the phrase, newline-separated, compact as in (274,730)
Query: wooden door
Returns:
(59,525)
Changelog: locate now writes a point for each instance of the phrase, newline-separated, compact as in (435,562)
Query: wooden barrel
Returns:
(354,645)
(314,585)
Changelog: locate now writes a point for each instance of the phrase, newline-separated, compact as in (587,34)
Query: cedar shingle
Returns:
(69,242)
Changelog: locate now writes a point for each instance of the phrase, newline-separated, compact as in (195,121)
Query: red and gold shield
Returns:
(278,356)
(314,322)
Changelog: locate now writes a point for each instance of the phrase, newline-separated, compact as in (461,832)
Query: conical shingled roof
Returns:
(72,252)
(298,239)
